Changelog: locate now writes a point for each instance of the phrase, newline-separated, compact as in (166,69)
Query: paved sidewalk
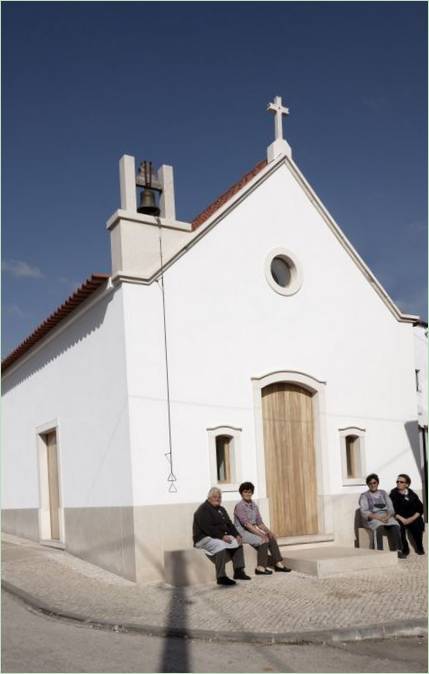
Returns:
(283,607)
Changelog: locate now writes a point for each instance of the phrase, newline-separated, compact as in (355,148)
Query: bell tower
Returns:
(142,236)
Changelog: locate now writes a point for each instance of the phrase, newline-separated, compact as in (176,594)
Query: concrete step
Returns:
(191,566)
(298,542)
(308,539)
(329,561)
(59,545)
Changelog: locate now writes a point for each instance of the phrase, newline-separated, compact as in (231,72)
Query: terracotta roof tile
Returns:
(220,201)
(79,296)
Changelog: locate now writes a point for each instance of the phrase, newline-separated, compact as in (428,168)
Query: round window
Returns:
(283,272)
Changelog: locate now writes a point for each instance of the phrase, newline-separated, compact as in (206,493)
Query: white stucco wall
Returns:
(76,381)
(226,325)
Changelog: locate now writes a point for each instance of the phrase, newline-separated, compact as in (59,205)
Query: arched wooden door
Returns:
(290,468)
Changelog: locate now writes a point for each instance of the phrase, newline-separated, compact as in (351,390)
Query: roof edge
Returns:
(231,197)
(88,288)
(215,205)
(348,246)
(212,214)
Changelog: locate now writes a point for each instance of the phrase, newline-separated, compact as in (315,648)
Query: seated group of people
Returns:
(397,514)
(221,540)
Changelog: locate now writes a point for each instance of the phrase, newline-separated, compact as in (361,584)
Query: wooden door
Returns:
(287,411)
(54,494)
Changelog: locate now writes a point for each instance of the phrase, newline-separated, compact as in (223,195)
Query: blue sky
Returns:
(187,84)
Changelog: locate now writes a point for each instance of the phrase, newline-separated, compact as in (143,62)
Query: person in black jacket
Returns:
(214,533)
(408,512)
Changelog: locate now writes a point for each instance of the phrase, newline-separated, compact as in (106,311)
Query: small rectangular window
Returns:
(223,458)
(353,456)
(352,444)
(417,380)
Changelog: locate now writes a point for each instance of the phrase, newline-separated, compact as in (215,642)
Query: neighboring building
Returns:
(421,356)
(251,344)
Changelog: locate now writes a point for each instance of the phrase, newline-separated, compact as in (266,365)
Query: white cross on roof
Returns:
(278,110)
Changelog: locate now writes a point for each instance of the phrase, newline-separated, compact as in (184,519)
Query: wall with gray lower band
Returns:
(102,536)
(131,541)
(21,522)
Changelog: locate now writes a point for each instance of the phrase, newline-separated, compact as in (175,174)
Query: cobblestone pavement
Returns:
(291,602)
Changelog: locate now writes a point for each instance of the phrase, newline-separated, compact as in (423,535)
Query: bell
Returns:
(148,203)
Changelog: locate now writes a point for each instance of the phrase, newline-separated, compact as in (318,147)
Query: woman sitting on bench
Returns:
(249,524)
(378,514)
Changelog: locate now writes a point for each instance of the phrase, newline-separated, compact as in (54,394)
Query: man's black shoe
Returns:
(240,575)
(402,555)
(224,580)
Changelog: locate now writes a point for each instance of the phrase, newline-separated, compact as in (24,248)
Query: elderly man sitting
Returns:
(214,533)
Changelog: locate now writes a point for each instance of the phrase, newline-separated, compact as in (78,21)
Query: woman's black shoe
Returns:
(267,572)
(224,580)
(282,568)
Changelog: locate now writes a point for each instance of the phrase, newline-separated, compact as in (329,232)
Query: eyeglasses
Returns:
(401,482)
(373,482)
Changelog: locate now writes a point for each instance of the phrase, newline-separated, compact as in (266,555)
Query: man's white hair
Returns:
(213,491)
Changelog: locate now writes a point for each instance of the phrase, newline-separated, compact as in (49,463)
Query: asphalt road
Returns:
(32,642)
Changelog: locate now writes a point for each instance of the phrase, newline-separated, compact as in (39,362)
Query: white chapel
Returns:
(252,343)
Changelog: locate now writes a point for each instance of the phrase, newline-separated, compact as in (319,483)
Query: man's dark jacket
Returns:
(212,521)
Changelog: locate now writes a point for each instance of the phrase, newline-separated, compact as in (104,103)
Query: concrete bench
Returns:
(192,567)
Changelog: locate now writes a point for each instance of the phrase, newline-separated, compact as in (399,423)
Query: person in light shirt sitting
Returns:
(378,514)
(249,524)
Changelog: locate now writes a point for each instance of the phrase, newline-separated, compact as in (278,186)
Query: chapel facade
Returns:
(252,343)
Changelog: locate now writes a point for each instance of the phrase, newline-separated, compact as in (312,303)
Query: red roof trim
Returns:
(226,196)
(79,296)
(97,280)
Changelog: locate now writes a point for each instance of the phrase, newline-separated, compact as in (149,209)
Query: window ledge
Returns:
(226,486)
(354,481)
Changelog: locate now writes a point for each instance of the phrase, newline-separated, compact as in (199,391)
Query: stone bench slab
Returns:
(192,567)
(323,562)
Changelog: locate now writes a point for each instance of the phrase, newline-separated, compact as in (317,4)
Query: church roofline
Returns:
(235,194)
(215,212)
(227,195)
(347,245)
(88,288)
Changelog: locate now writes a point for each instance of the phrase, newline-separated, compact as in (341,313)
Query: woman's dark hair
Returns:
(371,477)
(406,478)
(244,486)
